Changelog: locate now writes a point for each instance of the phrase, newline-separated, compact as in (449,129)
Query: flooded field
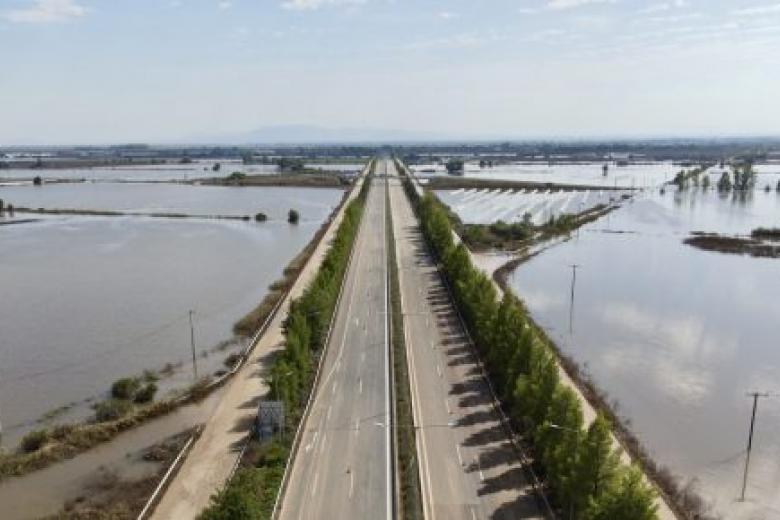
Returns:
(87,300)
(642,175)
(488,206)
(311,203)
(160,172)
(677,335)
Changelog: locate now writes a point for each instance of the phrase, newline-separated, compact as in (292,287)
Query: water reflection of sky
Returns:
(87,300)
(162,172)
(273,201)
(631,176)
(677,335)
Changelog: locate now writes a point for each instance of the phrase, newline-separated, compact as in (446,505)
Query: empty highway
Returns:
(468,467)
(343,465)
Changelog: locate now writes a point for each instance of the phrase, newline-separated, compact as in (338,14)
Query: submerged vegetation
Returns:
(579,464)
(762,243)
(516,235)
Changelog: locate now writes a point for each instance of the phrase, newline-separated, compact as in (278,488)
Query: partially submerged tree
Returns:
(724,184)
(455,165)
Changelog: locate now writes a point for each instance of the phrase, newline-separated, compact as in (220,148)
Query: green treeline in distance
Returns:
(583,470)
(252,491)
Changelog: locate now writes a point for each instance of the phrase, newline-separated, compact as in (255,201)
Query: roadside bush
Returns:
(112,409)
(239,500)
(146,394)
(34,440)
(293,216)
(125,388)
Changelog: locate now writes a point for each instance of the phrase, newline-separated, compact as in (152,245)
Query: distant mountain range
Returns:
(311,134)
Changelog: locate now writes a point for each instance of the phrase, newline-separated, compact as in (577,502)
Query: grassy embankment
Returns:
(405,437)
(580,467)
(253,490)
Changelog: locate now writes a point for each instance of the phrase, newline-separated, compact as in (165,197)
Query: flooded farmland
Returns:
(488,206)
(160,172)
(634,175)
(87,300)
(677,335)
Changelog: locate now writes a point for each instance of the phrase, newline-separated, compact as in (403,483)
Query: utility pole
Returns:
(571,304)
(192,345)
(755,396)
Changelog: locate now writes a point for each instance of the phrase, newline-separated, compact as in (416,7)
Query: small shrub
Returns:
(200,389)
(146,394)
(34,440)
(232,359)
(125,388)
(112,409)
(293,217)
(61,431)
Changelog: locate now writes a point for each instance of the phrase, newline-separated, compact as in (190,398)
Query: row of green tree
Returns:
(309,317)
(741,178)
(583,471)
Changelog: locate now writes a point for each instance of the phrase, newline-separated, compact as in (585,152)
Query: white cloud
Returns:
(529,10)
(311,5)
(225,4)
(570,4)
(663,6)
(46,11)
(758,10)
(447,15)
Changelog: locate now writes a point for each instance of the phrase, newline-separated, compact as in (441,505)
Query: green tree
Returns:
(630,499)
(597,464)
(238,501)
(534,390)
(293,216)
(455,165)
(558,440)
(724,184)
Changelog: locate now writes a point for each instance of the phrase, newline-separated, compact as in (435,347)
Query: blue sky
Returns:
(79,71)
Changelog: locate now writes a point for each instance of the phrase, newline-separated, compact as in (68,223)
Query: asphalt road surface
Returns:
(342,468)
(468,467)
